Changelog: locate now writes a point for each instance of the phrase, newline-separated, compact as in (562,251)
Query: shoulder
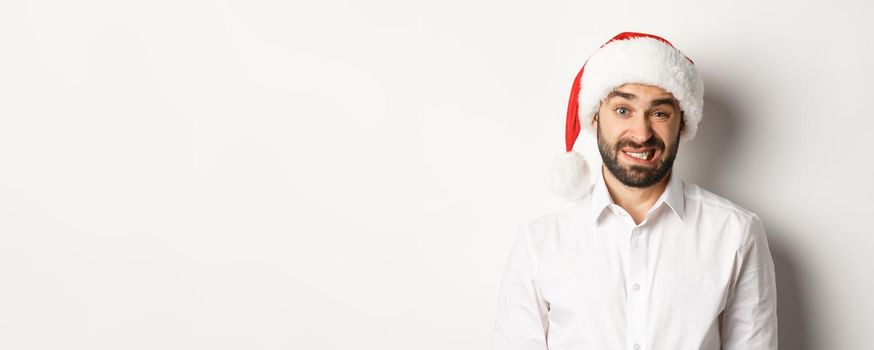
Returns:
(712,203)
(557,224)
(716,211)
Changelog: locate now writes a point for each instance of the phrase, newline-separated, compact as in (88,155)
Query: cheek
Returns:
(613,134)
(668,132)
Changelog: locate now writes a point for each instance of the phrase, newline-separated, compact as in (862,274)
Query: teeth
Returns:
(643,155)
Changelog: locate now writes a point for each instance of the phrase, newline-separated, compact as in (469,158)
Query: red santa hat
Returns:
(626,58)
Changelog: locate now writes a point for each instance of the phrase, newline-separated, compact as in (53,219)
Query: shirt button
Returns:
(636,286)
(636,346)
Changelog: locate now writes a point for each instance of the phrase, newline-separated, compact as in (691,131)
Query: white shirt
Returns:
(695,274)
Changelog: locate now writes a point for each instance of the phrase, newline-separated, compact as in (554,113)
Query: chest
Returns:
(669,271)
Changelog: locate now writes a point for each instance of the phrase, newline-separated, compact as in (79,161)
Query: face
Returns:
(638,129)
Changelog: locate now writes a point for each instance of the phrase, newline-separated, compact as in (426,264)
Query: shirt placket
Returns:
(636,289)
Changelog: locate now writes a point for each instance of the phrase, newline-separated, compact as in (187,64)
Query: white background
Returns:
(349,175)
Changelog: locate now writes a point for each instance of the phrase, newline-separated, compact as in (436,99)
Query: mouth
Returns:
(645,156)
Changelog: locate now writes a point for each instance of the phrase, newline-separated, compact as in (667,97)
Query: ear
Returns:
(595,121)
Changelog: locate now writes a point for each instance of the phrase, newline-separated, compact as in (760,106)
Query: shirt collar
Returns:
(673,196)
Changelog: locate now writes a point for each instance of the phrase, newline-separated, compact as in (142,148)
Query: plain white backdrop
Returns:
(349,174)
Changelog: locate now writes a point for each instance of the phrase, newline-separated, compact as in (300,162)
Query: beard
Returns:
(635,175)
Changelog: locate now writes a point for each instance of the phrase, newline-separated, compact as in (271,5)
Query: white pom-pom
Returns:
(568,176)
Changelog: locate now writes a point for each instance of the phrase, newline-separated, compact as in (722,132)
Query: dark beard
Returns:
(637,175)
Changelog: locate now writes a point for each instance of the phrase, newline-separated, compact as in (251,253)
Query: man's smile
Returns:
(644,156)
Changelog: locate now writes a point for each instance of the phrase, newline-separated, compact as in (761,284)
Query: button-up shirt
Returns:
(696,273)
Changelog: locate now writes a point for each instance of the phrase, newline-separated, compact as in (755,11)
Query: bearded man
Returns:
(639,259)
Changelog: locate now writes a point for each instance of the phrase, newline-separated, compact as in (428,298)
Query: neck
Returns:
(636,201)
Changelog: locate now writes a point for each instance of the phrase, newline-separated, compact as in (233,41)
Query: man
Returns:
(641,259)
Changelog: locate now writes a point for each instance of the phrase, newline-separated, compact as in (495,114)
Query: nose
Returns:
(639,129)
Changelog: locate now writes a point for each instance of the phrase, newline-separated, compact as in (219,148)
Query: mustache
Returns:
(653,142)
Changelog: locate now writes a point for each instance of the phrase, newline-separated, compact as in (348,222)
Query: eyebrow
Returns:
(632,97)
(662,101)
(624,95)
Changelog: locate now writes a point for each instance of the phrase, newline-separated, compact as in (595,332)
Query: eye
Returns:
(621,111)
(660,115)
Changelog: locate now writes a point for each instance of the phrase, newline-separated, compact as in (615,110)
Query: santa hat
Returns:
(627,58)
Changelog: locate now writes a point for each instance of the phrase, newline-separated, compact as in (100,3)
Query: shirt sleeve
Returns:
(749,320)
(521,318)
